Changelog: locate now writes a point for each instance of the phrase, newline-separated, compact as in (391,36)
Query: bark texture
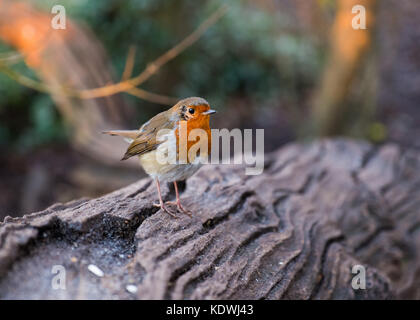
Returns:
(293,232)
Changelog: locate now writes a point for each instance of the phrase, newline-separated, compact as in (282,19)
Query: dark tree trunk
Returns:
(294,232)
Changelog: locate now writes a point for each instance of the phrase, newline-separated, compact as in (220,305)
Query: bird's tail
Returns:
(129,135)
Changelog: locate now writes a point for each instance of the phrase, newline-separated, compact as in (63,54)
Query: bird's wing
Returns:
(146,139)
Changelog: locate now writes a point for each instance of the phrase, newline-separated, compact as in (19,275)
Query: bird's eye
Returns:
(191,110)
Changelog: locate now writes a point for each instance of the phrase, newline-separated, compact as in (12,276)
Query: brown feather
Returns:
(146,138)
(130,134)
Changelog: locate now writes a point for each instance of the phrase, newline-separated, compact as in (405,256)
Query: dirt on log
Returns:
(294,232)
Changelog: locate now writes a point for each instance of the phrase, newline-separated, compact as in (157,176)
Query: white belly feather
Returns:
(167,171)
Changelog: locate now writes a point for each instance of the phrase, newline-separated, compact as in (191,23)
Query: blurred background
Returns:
(296,68)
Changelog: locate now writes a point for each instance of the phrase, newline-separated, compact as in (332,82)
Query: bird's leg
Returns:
(161,204)
(178,202)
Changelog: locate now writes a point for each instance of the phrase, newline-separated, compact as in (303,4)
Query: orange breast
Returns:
(202,122)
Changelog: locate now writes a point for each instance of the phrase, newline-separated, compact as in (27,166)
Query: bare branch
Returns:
(10,58)
(130,84)
(129,63)
(153,67)
(153,97)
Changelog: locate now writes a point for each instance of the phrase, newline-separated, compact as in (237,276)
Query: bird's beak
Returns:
(211,111)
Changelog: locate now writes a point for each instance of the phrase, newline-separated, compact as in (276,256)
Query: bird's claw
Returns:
(164,208)
(180,208)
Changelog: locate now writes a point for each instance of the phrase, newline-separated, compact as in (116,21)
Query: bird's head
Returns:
(193,108)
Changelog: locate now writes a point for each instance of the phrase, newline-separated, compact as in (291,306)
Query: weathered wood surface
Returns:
(293,232)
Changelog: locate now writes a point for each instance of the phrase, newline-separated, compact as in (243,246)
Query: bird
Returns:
(190,113)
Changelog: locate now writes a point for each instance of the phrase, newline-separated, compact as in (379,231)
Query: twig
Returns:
(129,85)
(153,97)
(24,80)
(11,58)
(129,64)
(153,67)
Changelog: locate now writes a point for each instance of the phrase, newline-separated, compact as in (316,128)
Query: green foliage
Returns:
(28,118)
(45,124)
(377,132)
(250,53)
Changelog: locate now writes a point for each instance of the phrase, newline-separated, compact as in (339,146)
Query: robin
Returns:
(191,113)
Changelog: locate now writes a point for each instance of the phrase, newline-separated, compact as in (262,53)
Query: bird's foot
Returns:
(180,208)
(164,208)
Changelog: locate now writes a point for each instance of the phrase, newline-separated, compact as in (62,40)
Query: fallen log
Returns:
(294,232)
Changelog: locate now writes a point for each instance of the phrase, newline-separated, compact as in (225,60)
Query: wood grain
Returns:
(293,232)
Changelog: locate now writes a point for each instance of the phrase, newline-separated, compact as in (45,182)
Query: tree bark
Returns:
(293,232)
